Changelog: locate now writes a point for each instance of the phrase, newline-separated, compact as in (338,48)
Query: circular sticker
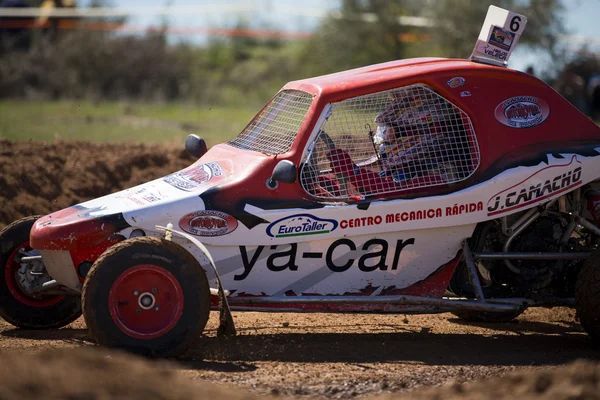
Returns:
(522,112)
(208,223)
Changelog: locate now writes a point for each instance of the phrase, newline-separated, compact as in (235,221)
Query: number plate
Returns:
(499,36)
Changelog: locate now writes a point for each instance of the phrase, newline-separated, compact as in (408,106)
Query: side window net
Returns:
(274,129)
(390,142)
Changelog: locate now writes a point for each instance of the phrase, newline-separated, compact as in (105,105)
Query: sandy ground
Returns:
(342,356)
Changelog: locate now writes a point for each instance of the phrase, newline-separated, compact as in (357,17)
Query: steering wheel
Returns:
(327,139)
(324,187)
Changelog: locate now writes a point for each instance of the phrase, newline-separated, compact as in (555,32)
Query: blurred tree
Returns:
(456,23)
(369,31)
(579,82)
(363,32)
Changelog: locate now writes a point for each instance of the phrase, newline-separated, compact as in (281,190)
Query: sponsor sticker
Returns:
(150,197)
(456,82)
(466,93)
(208,223)
(491,51)
(143,196)
(301,225)
(194,176)
(373,255)
(501,38)
(413,215)
(522,112)
(547,182)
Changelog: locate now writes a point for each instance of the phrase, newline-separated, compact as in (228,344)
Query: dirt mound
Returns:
(87,373)
(38,177)
(579,380)
(95,374)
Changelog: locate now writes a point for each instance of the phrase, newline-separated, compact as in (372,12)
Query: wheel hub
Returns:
(22,277)
(146,301)
(30,274)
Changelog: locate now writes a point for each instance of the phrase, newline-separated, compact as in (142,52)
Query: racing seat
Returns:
(366,181)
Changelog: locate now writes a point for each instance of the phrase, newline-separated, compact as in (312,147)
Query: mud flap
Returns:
(226,324)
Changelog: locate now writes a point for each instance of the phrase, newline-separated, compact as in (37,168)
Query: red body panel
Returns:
(69,229)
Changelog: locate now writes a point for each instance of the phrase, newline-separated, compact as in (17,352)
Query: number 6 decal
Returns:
(514,23)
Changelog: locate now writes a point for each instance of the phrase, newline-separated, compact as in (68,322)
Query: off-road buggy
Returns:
(415,186)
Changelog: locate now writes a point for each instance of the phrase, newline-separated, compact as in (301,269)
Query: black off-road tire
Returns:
(587,296)
(15,311)
(486,316)
(110,302)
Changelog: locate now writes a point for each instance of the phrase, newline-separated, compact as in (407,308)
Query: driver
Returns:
(410,139)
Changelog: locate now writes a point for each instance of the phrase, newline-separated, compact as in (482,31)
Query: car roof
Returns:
(376,77)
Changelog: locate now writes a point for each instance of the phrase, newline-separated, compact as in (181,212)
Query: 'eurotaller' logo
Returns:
(301,225)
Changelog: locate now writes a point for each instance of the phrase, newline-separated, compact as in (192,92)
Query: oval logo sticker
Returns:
(301,225)
(456,82)
(208,223)
(522,112)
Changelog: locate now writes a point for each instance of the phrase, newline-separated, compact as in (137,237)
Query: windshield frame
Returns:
(275,128)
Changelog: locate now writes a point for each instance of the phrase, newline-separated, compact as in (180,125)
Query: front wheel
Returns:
(18,306)
(148,296)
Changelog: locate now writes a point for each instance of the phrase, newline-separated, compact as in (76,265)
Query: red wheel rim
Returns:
(146,301)
(11,277)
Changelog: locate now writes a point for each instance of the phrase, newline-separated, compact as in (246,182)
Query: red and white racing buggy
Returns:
(415,186)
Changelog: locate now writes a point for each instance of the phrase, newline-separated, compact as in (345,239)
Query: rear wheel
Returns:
(587,296)
(18,306)
(147,296)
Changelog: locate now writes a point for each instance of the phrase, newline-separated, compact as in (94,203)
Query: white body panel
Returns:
(342,266)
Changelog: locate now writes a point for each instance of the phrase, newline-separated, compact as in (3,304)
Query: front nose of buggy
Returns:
(72,229)
(71,239)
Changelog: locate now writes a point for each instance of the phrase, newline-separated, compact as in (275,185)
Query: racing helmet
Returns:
(402,125)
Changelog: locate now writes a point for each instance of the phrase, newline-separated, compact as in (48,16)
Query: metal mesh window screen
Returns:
(274,129)
(390,142)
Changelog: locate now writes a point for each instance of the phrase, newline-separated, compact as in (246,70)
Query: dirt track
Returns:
(322,355)
(339,356)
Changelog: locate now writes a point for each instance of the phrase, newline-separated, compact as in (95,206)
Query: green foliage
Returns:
(94,66)
(458,22)
(363,33)
(242,71)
